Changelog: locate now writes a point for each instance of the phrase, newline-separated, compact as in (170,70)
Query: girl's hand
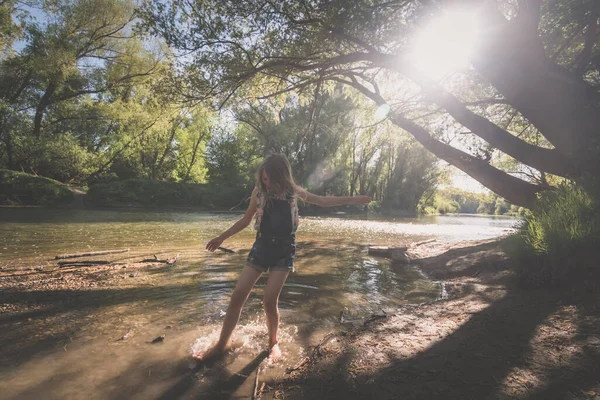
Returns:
(214,243)
(362,199)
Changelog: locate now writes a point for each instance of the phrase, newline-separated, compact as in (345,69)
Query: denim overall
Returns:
(275,245)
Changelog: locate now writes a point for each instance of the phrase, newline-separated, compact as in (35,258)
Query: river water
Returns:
(75,353)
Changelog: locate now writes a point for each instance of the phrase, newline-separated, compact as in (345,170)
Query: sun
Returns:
(445,44)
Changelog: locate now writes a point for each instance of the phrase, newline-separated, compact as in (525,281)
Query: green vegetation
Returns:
(558,239)
(454,200)
(18,188)
(90,99)
(147,193)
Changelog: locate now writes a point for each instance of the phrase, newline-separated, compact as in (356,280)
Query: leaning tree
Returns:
(538,60)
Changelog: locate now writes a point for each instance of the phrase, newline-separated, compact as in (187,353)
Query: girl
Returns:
(274,203)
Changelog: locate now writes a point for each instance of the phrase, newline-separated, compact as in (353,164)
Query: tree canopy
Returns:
(537,62)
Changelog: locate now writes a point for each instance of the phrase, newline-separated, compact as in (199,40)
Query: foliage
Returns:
(86,98)
(558,239)
(61,158)
(148,193)
(334,147)
(304,46)
(228,161)
(18,188)
(454,200)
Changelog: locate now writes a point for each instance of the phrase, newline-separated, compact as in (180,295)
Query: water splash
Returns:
(250,337)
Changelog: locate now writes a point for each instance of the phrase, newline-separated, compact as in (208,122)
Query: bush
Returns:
(374,206)
(148,193)
(558,238)
(446,206)
(18,188)
(59,157)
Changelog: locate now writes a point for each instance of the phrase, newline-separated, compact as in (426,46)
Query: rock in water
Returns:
(379,251)
(158,339)
(399,256)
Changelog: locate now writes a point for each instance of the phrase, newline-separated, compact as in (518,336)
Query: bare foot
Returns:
(212,353)
(217,351)
(274,354)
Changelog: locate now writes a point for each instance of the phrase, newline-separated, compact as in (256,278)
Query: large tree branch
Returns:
(513,189)
(547,160)
(565,143)
(540,158)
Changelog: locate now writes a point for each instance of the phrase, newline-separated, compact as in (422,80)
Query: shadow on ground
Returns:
(497,353)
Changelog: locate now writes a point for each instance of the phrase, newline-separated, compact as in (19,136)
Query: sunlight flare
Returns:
(382,111)
(445,44)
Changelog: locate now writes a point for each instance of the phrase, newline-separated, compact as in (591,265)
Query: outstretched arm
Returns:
(330,201)
(235,228)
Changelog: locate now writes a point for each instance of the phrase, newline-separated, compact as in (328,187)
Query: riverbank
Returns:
(487,340)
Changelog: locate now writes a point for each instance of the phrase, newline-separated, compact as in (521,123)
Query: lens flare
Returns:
(382,111)
(445,44)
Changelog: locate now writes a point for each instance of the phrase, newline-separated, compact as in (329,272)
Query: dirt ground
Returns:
(488,339)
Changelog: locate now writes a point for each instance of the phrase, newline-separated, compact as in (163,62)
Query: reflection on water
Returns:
(76,332)
(33,235)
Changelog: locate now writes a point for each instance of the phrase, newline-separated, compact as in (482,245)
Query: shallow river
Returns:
(71,349)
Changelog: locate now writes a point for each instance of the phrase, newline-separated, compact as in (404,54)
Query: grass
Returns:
(558,238)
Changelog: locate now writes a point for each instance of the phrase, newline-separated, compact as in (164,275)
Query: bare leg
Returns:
(243,287)
(270,300)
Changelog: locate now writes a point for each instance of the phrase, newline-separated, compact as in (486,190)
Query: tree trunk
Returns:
(194,155)
(10,154)
(168,148)
(560,104)
(41,108)
(514,190)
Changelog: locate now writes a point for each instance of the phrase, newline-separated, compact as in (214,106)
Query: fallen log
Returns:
(384,251)
(63,264)
(261,390)
(399,256)
(90,254)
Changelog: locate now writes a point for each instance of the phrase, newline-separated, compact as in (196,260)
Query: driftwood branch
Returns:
(423,242)
(255,391)
(90,254)
(169,261)
(317,351)
(62,264)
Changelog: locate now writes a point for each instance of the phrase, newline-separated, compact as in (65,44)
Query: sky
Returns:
(463,181)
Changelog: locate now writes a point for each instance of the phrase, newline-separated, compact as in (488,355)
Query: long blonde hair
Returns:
(279,171)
